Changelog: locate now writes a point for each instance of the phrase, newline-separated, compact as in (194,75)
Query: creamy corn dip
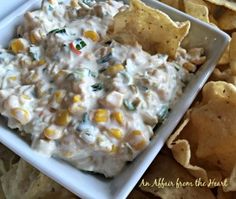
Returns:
(84,98)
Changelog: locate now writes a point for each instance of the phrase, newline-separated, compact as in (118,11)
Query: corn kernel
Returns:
(76,98)
(68,154)
(74,4)
(74,109)
(63,118)
(52,133)
(33,38)
(53,1)
(58,96)
(20,114)
(49,132)
(26,97)
(140,145)
(12,78)
(114,149)
(61,74)
(118,116)
(18,45)
(101,115)
(116,133)
(91,35)
(40,91)
(136,132)
(190,67)
(41,62)
(113,70)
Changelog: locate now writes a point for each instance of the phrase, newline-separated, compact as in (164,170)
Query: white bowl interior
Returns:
(88,185)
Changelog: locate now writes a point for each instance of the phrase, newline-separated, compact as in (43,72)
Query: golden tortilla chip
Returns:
(182,153)
(207,139)
(25,181)
(138,194)
(2,195)
(227,20)
(213,20)
(219,75)
(172,3)
(226,3)
(231,181)
(225,195)
(163,171)
(232,54)
(225,57)
(213,120)
(194,8)
(7,159)
(2,168)
(151,28)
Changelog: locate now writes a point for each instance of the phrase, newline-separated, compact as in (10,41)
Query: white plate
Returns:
(88,185)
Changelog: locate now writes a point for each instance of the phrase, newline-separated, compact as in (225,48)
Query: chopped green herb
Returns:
(78,74)
(105,59)
(129,105)
(177,67)
(127,78)
(89,2)
(85,118)
(78,44)
(81,73)
(97,87)
(162,114)
(50,8)
(92,73)
(82,43)
(102,70)
(85,124)
(57,30)
(44,69)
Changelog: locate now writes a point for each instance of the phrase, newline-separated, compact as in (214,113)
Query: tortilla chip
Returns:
(227,20)
(165,169)
(231,181)
(7,159)
(151,28)
(207,139)
(219,90)
(2,168)
(192,7)
(225,195)
(182,153)
(219,75)
(138,194)
(225,57)
(25,181)
(213,20)
(226,3)
(214,122)
(232,54)
(2,195)
(172,3)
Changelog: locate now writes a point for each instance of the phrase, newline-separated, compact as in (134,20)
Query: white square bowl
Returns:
(93,186)
(9,6)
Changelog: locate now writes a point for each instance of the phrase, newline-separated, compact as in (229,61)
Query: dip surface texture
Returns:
(81,96)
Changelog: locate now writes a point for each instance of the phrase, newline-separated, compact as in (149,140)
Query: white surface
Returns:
(87,185)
